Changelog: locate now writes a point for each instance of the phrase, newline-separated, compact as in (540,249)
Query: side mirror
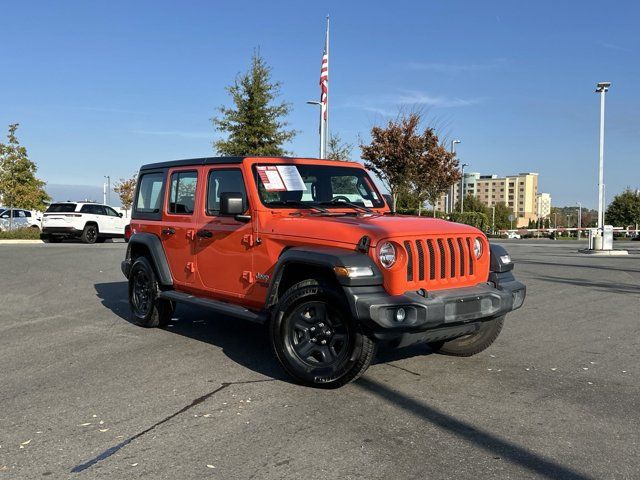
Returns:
(231,204)
(120,215)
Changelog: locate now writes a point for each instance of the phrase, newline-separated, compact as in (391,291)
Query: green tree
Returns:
(624,210)
(337,149)
(473,204)
(126,190)
(502,213)
(255,125)
(19,186)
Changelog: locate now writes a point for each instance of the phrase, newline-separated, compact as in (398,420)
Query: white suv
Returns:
(90,222)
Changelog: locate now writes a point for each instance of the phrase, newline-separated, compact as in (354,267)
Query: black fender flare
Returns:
(329,257)
(158,257)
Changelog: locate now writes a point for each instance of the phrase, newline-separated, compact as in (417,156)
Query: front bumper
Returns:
(435,315)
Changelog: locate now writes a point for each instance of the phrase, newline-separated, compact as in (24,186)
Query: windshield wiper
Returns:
(348,204)
(296,203)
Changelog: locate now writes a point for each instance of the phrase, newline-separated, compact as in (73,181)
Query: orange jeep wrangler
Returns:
(310,248)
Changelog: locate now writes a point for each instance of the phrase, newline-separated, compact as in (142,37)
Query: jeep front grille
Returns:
(440,260)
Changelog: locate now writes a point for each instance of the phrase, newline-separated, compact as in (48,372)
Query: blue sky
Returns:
(100,88)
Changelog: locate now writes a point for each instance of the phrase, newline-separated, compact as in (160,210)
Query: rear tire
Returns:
(471,344)
(316,340)
(89,234)
(148,310)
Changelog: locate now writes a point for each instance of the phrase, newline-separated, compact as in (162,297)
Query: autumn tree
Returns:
(19,186)
(337,149)
(624,210)
(126,189)
(255,125)
(409,160)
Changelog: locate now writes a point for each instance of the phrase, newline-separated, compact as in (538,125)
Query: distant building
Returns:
(543,205)
(518,192)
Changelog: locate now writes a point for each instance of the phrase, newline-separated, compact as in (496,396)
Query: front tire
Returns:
(89,234)
(148,310)
(471,344)
(316,340)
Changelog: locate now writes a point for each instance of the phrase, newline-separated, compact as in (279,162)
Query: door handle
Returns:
(205,233)
(168,231)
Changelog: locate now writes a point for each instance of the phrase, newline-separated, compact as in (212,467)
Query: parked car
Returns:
(310,247)
(90,222)
(21,218)
(513,235)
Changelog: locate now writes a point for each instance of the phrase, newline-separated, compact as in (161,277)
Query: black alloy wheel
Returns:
(316,335)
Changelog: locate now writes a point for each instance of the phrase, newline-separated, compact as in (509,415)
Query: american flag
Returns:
(324,78)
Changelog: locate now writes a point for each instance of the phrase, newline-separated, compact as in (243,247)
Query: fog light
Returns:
(518,298)
(400,315)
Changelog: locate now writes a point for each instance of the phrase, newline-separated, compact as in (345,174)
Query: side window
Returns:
(27,213)
(111,212)
(149,193)
(20,214)
(182,195)
(221,181)
(92,209)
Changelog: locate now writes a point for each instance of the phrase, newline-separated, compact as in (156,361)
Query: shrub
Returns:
(28,233)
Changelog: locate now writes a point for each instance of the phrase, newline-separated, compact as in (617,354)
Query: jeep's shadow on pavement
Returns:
(244,342)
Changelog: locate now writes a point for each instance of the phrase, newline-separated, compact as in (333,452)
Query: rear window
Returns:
(149,199)
(61,208)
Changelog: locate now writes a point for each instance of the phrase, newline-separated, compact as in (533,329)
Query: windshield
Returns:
(61,207)
(288,186)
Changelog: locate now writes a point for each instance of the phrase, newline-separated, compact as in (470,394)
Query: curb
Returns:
(20,242)
(604,253)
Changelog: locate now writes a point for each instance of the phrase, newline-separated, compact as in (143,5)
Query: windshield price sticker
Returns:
(280,178)
(271,178)
(291,177)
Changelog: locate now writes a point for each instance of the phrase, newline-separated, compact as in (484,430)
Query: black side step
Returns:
(216,305)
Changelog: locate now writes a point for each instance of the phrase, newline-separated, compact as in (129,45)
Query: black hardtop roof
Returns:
(216,160)
(192,161)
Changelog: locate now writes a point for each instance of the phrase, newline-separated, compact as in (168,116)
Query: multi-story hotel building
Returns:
(518,192)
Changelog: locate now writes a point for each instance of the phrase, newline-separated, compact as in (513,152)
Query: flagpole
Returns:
(326,122)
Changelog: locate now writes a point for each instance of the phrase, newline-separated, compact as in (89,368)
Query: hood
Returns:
(349,229)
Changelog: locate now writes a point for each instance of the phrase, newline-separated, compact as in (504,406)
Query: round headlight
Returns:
(477,248)
(387,254)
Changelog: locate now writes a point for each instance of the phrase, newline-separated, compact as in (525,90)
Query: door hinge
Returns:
(248,240)
(191,267)
(247,276)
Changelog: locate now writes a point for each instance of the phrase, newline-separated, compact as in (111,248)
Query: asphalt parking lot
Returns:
(84,393)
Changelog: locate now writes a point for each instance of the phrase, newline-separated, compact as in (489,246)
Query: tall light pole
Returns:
(451,189)
(319,104)
(579,219)
(462,188)
(493,219)
(108,199)
(602,88)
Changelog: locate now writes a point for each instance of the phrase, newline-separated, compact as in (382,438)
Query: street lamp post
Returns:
(462,188)
(602,88)
(319,104)
(579,219)
(108,195)
(451,189)
(493,219)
